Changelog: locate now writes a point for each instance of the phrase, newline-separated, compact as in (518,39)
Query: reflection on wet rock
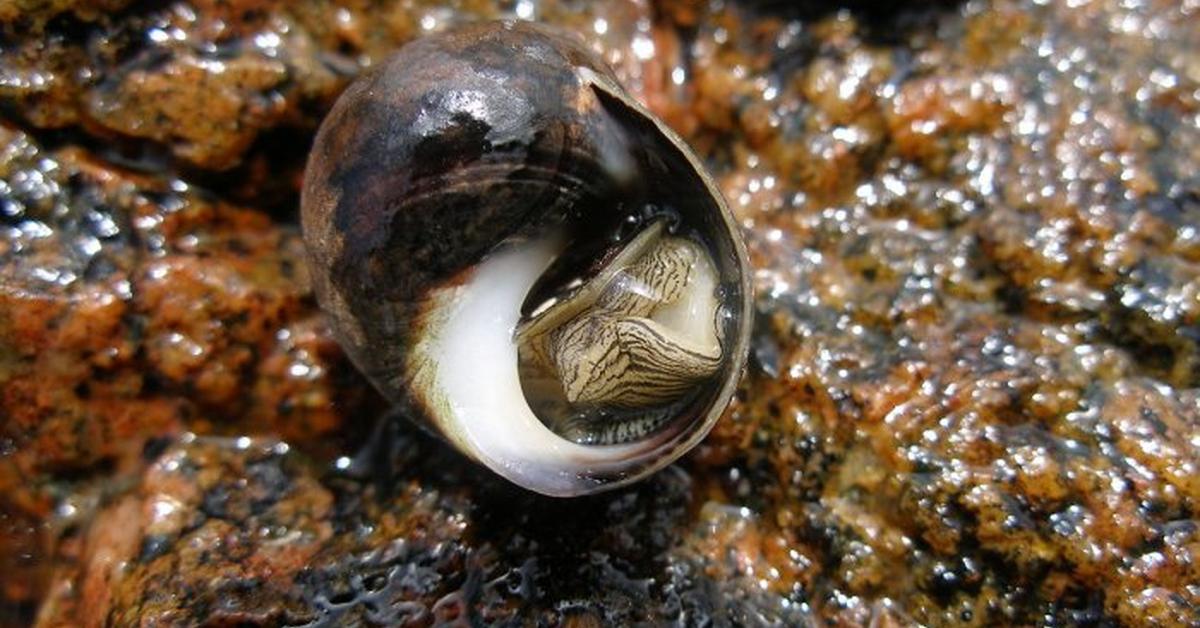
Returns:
(975,229)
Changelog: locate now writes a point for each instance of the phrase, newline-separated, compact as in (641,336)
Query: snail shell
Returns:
(514,249)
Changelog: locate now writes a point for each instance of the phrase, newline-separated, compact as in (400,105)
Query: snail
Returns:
(526,260)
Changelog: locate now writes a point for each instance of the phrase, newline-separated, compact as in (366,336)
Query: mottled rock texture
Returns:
(974,396)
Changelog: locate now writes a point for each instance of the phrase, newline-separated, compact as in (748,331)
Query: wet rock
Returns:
(202,82)
(135,308)
(974,394)
(252,533)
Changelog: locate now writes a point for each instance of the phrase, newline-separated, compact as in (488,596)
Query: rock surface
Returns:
(974,396)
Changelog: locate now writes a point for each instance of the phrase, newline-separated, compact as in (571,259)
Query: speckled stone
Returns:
(974,396)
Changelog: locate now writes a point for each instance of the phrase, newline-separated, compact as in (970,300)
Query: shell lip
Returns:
(464,374)
(739,341)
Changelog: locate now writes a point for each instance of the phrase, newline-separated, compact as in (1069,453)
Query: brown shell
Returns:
(462,142)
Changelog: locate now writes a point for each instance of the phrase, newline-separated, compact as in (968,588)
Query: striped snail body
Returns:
(525,259)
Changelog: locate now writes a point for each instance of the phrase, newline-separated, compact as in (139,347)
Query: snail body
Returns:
(522,256)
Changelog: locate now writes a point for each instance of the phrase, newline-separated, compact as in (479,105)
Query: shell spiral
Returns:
(525,259)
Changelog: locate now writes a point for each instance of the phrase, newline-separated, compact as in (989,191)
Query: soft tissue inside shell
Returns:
(694,313)
(634,356)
